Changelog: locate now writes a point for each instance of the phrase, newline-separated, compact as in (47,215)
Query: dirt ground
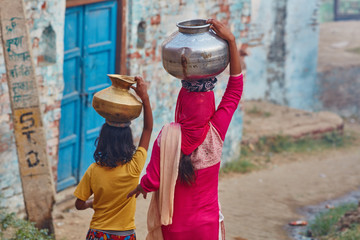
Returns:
(265,201)
(256,205)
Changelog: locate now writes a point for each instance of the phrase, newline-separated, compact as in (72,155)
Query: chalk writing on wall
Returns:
(19,65)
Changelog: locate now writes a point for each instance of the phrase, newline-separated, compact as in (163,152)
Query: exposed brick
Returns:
(155,20)
(40,59)
(4,146)
(135,55)
(149,52)
(224,8)
(43,6)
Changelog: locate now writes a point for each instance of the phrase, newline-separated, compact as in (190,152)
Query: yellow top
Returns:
(110,186)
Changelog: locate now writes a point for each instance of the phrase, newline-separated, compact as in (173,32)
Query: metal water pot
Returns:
(194,51)
(115,103)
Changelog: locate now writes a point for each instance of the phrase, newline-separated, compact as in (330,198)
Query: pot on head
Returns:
(116,103)
(194,51)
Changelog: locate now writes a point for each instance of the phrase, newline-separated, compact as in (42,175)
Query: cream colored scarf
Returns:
(162,201)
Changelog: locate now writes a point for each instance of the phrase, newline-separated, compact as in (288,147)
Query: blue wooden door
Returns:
(89,54)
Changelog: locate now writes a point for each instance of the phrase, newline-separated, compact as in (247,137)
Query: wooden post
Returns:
(36,177)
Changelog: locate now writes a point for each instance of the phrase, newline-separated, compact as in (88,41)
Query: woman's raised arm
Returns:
(228,105)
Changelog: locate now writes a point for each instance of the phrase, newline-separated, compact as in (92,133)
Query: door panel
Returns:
(99,60)
(71,102)
(89,54)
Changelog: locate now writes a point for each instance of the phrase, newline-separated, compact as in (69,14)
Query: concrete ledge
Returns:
(264,119)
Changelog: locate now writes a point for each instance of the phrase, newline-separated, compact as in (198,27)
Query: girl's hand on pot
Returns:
(221,30)
(141,88)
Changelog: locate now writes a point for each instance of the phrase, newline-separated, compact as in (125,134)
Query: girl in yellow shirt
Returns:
(114,174)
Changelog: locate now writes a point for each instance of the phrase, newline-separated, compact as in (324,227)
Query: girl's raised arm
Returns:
(141,91)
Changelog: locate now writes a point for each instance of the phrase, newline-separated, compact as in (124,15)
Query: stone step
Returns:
(264,119)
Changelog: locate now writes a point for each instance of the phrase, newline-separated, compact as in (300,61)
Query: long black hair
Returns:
(186,170)
(114,146)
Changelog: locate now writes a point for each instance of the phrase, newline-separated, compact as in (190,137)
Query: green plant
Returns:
(325,223)
(334,139)
(281,143)
(241,165)
(254,110)
(258,112)
(259,154)
(19,229)
(354,50)
(350,234)
(267,114)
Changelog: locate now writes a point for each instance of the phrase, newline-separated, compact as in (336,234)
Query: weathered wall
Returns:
(340,90)
(149,24)
(46,23)
(326,11)
(282,63)
(339,67)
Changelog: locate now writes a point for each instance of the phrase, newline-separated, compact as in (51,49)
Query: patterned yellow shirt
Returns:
(110,186)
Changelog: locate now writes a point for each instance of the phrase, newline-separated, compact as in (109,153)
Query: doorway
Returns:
(89,55)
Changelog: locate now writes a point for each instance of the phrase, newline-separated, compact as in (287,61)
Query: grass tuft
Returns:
(255,156)
(324,225)
(350,234)
(240,166)
(354,50)
(254,111)
(280,143)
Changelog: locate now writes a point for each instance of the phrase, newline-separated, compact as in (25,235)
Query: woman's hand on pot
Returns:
(137,192)
(221,30)
(141,88)
(224,32)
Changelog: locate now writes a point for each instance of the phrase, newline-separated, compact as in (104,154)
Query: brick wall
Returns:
(150,22)
(46,20)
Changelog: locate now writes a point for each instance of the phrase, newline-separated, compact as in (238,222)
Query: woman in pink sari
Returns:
(188,205)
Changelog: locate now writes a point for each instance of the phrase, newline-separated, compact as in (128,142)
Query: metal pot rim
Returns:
(125,78)
(193,21)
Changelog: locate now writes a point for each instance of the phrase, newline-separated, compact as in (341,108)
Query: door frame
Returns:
(120,52)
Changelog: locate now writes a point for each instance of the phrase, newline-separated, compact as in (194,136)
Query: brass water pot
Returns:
(116,103)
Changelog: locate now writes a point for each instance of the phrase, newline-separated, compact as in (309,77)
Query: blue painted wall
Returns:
(282,63)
